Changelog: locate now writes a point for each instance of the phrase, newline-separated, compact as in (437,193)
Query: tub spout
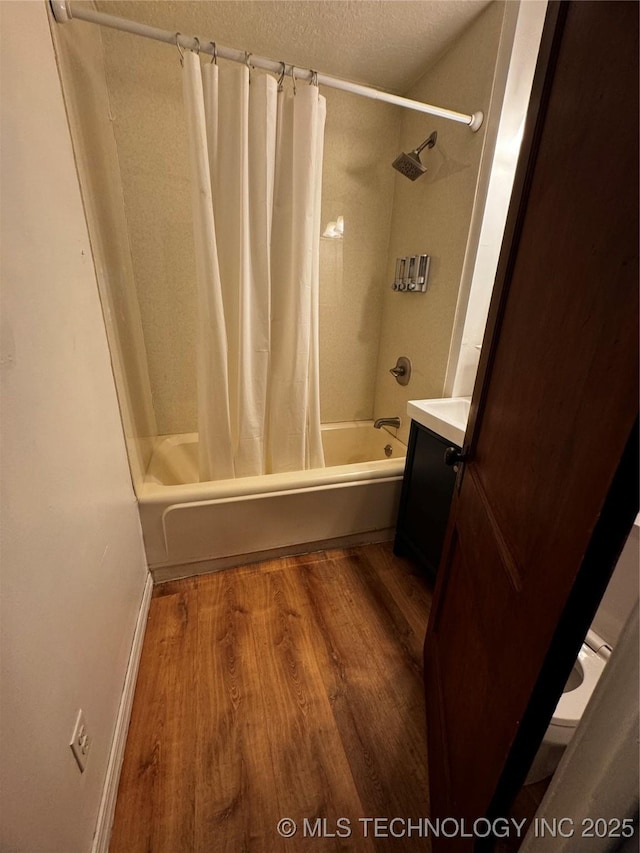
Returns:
(390,422)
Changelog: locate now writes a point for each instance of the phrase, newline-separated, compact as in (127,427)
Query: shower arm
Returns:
(430,141)
(63,11)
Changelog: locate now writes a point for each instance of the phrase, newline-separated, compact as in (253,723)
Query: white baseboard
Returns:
(102,834)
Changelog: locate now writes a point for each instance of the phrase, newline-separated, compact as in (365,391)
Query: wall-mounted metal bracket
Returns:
(61,11)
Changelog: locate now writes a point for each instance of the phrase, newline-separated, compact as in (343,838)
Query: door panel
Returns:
(552,412)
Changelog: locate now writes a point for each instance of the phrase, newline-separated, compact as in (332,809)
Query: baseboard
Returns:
(102,834)
(161,574)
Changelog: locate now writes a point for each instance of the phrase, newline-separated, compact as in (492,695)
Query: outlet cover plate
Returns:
(80,741)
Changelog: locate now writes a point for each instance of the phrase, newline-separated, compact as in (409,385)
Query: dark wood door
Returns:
(545,497)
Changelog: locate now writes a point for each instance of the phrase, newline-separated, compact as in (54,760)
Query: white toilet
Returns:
(581,683)
(615,607)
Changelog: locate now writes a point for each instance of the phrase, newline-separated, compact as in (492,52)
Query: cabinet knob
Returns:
(453,456)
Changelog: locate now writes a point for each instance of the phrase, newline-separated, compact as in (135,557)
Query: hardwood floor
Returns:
(287,689)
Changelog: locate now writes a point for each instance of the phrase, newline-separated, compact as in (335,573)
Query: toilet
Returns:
(580,685)
(617,603)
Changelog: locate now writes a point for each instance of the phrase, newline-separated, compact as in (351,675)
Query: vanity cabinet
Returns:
(425,500)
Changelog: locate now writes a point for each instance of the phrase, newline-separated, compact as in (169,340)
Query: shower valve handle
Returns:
(401,370)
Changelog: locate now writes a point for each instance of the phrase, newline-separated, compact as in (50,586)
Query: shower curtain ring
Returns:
(180,50)
(247,57)
(293,77)
(283,71)
(197,40)
(214,58)
(314,79)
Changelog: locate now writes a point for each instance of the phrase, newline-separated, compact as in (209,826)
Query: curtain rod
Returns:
(63,12)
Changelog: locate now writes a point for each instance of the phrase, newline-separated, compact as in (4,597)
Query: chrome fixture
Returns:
(409,165)
(390,422)
(388,450)
(412,274)
(402,370)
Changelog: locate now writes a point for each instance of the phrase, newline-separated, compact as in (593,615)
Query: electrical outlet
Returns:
(80,742)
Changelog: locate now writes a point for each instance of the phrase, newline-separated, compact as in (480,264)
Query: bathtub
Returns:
(191,527)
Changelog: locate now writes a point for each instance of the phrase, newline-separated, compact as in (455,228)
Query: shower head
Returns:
(409,165)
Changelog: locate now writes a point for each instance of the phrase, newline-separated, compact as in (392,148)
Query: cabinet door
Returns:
(426,498)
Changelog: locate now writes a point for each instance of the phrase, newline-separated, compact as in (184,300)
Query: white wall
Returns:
(73,566)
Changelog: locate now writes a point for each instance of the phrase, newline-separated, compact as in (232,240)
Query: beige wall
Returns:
(80,60)
(361,139)
(432,215)
(73,566)
(515,67)
(145,91)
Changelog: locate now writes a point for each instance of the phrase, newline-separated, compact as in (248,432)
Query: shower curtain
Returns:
(256,168)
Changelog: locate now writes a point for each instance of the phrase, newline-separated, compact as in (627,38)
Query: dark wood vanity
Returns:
(425,500)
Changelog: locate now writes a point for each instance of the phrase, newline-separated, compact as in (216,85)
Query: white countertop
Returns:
(446,416)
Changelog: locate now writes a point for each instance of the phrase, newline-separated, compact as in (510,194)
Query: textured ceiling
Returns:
(383,43)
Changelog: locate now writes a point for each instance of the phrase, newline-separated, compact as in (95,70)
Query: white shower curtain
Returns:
(256,167)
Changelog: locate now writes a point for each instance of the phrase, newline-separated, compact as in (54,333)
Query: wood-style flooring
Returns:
(287,689)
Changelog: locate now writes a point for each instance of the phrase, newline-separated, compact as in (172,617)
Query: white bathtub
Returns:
(191,527)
